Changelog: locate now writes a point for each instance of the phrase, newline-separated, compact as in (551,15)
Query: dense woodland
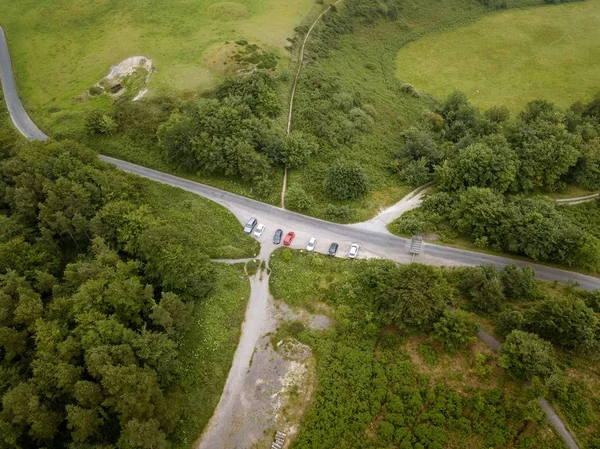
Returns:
(402,368)
(94,294)
(492,176)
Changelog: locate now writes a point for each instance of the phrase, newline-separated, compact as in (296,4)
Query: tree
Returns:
(297,149)
(524,356)
(455,330)
(414,296)
(345,180)
(508,321)
(566,322)
(479,212)
(418,144)
(547,152)
(480,165)
(483,287)
(518,283)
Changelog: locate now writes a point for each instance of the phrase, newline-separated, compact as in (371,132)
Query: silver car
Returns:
(353,251)
(250,225)
(311,244)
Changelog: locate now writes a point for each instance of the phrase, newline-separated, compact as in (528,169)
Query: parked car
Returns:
(287,241)
(311,244)
(277,236)
(250,225)
(259,230)
(353,251)
(333,249)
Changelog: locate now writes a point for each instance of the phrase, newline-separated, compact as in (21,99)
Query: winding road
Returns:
(372,235)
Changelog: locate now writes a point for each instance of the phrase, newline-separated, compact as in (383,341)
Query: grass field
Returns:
(60,48)
(207,349)
(512,57)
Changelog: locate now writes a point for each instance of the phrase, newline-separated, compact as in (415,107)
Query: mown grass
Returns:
(364,64)
(207,349)
(60,48)
(512,57)
(202,223)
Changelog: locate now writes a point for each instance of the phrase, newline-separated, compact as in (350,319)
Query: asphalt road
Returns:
(374,243)
(17,113)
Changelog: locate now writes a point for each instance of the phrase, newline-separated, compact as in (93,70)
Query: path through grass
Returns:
(513,57)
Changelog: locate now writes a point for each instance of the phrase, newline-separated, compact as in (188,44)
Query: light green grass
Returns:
(364,65)
(201,223)
(512,57)
(62,47)
(207,349)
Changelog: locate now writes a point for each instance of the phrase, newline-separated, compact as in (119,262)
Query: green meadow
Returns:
(512,57)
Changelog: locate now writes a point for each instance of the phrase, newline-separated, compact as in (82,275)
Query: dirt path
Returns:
(380,221)
(293,94)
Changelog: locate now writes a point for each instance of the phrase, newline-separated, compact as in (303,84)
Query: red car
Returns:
(287,241)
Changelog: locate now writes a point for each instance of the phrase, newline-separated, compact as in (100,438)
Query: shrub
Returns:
(297,199)
(346,180)
(518,283)
(455,330)
(566,322)
(408,226)
(525,355)
(508,321)
(99,122)
(338,213)
(483,287)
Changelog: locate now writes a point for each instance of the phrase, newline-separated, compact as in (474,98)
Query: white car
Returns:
(353,251)
(259,230)
(311,244)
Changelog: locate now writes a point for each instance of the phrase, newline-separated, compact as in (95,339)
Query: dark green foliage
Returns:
(572,397)
(297,199)
(518,283)
(483,287)
(508,321)
(88,333)
(532,226)
(455,330)
(345,180)
(525,355)
(297,149)
(566,322)
(480,165)
(256,91)
(98,121)
(415,297)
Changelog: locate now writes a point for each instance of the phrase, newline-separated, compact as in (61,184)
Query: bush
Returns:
(483,287)
(98,121)
(297,199)
(408,226)
(525,355)
(518,283)
(566,322)
(455,330)
(338,213)
(346,180)
(508,321)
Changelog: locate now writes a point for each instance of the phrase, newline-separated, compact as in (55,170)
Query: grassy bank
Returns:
(512,57)
(207,348)
(201,223)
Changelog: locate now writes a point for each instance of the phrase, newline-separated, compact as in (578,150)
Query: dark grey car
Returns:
(277,236)
(333,249)
(250,225)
